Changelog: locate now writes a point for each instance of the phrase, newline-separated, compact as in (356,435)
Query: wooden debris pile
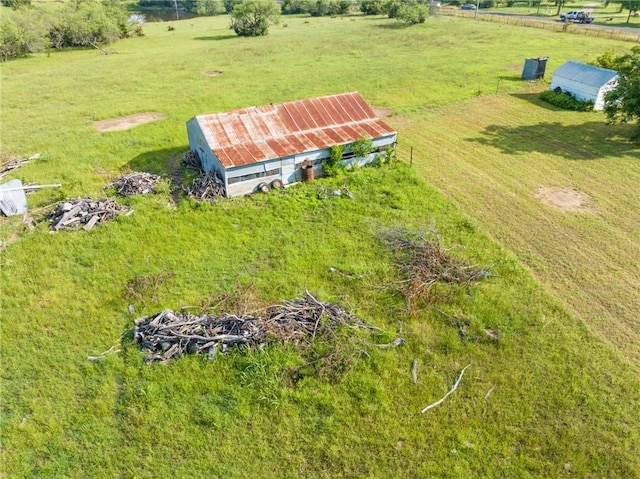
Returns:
(13,164)
(207,187)
(191,161)
(424,263)
(170,334)
(85,213)
(324,193)
(136,183)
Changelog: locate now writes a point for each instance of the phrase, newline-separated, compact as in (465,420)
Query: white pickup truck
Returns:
(576,16)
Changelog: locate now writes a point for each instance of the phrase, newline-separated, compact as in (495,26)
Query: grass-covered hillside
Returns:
(551,335)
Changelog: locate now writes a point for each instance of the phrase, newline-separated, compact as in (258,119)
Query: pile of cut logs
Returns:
(85,213)
(207,186)
(171,334)
(136,183)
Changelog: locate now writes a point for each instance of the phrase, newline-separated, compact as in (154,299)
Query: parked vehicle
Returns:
(576,16)
(468,6)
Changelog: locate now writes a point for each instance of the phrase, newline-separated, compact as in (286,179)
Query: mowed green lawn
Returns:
(490,156)
(555,396)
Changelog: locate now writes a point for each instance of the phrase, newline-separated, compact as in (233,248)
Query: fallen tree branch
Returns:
(441,400)
(109,351)
(489,392)
(414,371)
(395,342)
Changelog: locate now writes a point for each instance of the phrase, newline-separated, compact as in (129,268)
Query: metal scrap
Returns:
(13,200)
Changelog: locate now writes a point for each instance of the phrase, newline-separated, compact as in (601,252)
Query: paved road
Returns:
(631,30)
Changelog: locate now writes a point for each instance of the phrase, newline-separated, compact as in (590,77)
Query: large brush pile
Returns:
(207,186)
(424,264)
(170,334)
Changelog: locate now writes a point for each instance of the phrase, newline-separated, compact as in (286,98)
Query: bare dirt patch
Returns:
(381,111)
(565,199)
(127,122)
(212,73)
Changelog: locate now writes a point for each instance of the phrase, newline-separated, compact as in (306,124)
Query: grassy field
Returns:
(495,155)
(557,395)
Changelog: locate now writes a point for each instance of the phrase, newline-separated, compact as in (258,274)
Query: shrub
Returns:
(252,18)
(372,7)
(316,8)
(291,7)
(362,147)
(565,101)
(23,33)
(331,165)
(392,7)
(209,7)
(412,13)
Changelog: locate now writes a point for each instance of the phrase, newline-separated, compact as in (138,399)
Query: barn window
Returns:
(252,176)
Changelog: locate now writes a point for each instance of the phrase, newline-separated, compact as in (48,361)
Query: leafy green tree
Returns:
(412,12)
(633,6)
(252,18)
(392,7)
(292,7)
(623,103)
(610,60)
(320,8)
(229,5)
(23,33)
(89,23)
(372,7)
(209,7)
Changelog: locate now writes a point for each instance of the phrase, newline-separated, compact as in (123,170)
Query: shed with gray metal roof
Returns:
(260,144)
(585,82)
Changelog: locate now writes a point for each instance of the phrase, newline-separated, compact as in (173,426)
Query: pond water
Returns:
(145,15)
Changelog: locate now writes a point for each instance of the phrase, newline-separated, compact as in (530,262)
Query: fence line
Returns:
(549,25)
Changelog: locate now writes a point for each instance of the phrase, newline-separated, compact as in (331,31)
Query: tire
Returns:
(264,188)
(276,184)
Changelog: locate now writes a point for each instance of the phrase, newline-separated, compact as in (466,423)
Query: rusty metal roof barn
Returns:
(260,133)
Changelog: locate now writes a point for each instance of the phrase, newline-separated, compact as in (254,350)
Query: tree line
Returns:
(80,23)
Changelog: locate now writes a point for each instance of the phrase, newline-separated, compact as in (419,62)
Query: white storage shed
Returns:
(256,145)
(585,82)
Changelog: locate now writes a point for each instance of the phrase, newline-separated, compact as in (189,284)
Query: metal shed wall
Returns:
(198,143)
(585,82)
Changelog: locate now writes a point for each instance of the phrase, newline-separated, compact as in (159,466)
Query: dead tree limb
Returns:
(414,371)
(441,400)
(395,342)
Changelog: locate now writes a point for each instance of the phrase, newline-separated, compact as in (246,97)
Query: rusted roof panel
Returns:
(251,135)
